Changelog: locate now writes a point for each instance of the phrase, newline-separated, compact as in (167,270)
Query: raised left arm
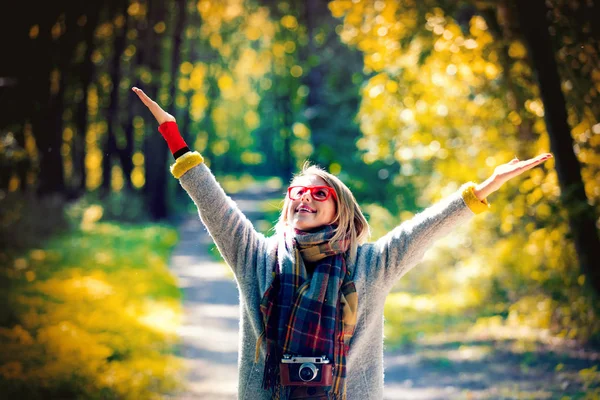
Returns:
(504,172)
(402,248)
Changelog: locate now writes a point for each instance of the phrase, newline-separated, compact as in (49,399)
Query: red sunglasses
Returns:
(319,193)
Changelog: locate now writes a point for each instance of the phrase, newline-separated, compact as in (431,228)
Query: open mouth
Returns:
(304,209)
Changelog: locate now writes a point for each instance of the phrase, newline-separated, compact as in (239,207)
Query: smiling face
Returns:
(307,213)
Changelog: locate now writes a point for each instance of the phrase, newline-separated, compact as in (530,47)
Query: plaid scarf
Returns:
(306,316)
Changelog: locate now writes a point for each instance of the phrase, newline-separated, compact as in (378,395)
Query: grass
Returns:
(91,313)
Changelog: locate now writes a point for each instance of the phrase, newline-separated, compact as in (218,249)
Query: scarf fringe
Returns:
(271,372)
(336,396)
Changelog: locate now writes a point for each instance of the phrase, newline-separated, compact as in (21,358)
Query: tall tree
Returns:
(190,49)
(67,31)
(138,24)
(178,31)
(86,75)
(44,88)
(534,25)
(315,108)
(154,149)
(118,14)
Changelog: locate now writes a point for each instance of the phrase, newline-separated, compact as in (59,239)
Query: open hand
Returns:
(160,114)
(504,172)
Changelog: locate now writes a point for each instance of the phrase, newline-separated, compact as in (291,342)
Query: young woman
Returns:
(312,295)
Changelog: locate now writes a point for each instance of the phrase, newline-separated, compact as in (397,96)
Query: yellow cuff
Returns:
(186,162)
(476,205)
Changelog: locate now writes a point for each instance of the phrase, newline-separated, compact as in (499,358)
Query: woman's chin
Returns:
(300,227)
(303,226)
(306,227)
(307,222)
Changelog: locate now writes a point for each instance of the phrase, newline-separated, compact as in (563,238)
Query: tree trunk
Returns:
(176,58)
(49,136)
(81,119)
(48,140)
(125,153)
(532,18)
(155,150)
(192,55)
(118,7)
(66,48)
(315,107)
(134,105)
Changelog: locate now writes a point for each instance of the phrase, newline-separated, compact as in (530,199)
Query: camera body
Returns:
(305,371)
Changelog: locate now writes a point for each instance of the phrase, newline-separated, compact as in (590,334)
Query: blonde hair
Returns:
(351,222)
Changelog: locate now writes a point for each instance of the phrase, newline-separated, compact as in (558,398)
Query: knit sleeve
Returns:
(403,247)
(235,237)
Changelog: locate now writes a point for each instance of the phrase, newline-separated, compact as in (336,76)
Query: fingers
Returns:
(532,162)
(536,160)
(145,99)
(148,102)
(540,159)
(160,114)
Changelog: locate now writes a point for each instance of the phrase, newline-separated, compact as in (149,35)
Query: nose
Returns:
(306,196)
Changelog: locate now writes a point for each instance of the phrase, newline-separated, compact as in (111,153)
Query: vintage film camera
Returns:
(305,371)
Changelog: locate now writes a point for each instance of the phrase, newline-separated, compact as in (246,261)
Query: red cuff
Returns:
(170,132)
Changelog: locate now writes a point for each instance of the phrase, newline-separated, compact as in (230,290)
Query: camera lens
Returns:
(307,372)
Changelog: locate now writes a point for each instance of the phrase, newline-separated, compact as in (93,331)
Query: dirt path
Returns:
(461,367)
(209,332)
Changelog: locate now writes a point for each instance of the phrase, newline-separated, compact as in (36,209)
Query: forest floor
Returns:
(437,367)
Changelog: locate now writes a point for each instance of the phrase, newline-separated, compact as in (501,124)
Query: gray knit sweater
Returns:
(378,267)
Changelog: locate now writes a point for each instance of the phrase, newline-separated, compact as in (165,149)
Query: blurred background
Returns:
(404,100)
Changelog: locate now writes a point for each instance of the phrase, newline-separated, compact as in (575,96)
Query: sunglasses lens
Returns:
(297,192)
(320,194)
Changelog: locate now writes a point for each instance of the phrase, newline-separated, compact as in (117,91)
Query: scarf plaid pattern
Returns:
(312,316)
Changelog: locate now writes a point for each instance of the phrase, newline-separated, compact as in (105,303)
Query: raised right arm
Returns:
(237,240)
